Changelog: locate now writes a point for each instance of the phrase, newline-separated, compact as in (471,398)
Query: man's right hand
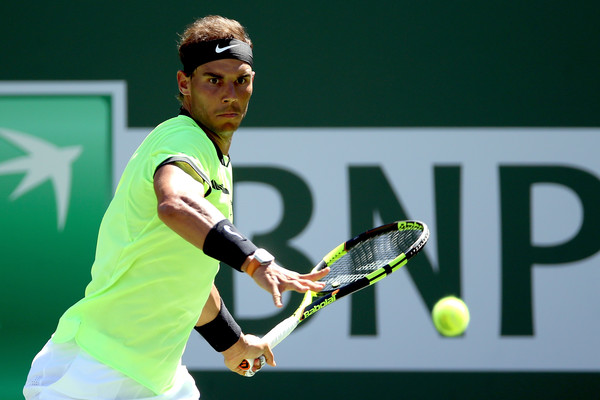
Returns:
(248,347)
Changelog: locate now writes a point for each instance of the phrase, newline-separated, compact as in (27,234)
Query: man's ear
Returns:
(183,81)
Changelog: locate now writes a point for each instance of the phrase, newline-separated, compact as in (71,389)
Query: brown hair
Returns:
(212,27)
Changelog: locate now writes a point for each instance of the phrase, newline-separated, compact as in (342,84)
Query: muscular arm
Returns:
(182,206)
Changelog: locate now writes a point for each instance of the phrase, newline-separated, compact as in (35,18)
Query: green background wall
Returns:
(336,63)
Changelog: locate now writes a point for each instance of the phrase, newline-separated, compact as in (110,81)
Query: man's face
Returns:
(219,93)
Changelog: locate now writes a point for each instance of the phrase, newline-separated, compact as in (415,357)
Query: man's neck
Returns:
(222,140)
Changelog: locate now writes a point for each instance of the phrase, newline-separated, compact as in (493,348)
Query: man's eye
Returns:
(214,81)
(242,80)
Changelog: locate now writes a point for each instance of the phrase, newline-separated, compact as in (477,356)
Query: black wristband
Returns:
(225,243)
(222,332)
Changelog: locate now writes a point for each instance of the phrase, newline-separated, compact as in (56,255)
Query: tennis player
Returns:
(160,243)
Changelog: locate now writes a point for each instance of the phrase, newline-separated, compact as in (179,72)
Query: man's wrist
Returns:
(225,243)
(222,332)
(260,258)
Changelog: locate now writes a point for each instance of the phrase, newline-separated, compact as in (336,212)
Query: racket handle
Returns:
(247,365)
(273,337)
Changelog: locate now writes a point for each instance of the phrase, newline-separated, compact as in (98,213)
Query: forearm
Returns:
(216,324)
(211,308)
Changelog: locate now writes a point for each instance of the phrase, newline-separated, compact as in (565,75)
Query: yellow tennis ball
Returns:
(450,316)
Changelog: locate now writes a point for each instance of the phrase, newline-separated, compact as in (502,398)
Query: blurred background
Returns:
(338,64)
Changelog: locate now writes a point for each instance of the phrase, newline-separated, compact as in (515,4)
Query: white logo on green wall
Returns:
(44,161)
(55,163)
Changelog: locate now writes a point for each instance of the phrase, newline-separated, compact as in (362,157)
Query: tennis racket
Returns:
(355,264)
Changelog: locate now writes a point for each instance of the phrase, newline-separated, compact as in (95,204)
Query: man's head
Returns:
(213,37)
(217,77)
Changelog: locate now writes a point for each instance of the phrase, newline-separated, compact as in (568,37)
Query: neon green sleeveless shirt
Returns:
(148,284)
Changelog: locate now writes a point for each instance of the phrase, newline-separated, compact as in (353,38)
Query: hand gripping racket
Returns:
(355,264)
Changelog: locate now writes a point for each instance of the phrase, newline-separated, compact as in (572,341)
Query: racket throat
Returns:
(317,305)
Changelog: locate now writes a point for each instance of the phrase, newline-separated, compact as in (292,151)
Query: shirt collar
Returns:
(225,160)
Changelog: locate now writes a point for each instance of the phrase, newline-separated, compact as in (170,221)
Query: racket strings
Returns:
(369,255)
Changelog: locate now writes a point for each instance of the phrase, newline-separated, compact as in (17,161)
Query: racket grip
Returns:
(248,364)
(273,338)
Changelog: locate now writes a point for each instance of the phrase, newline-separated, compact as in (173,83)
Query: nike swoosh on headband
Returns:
(222,49)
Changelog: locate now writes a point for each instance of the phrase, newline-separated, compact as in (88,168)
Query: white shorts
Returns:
(65,371)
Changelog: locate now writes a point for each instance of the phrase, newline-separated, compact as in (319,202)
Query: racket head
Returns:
(371,256)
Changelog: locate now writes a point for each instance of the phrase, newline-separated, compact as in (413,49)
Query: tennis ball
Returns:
(450,316)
